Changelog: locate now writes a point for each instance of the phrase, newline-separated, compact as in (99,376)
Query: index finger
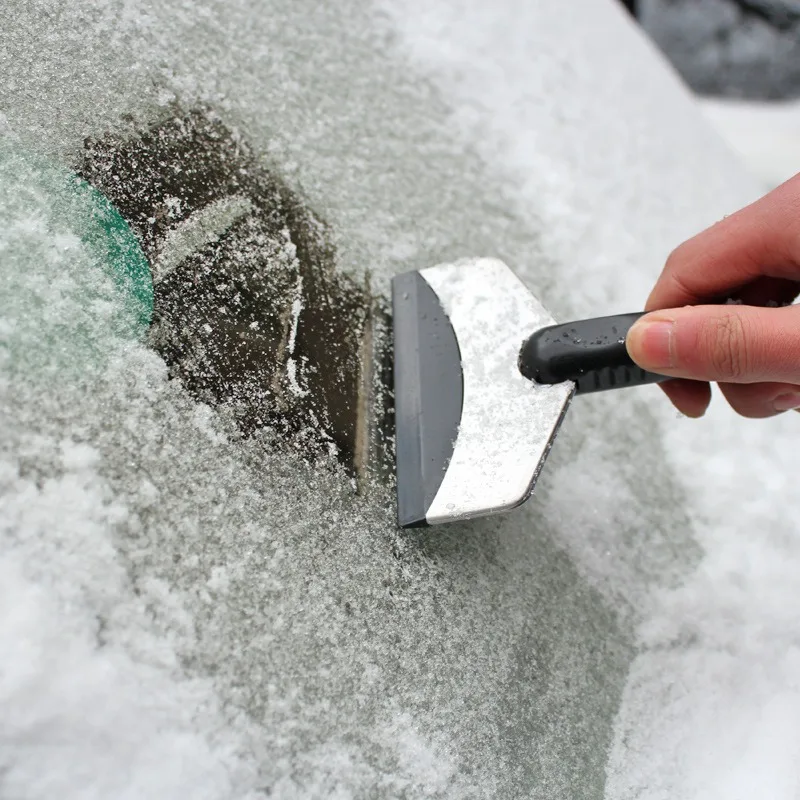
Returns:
(763,239)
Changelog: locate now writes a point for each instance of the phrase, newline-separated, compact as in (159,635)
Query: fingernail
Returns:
(786,402)
(649,342)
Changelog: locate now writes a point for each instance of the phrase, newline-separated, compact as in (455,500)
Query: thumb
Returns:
(731,344)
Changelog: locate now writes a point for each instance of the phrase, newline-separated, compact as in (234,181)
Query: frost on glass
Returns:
(194,607)
(219,601)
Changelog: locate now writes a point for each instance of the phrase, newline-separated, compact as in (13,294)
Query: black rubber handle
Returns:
(590,352)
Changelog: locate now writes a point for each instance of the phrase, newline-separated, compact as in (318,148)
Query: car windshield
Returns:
(203,588)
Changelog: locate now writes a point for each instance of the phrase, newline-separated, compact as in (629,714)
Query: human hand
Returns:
(751,350)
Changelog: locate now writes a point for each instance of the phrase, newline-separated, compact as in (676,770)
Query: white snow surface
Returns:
(708,708)
(187,614)
(765,135)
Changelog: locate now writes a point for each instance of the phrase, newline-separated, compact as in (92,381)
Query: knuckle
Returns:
(727,347)
(678,256)
(676,271)
(681,285)
(676,261)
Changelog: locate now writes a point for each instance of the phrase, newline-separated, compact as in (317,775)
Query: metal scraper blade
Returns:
(472,433)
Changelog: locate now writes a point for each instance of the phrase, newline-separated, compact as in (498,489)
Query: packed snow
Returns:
(186,612)
(765,135)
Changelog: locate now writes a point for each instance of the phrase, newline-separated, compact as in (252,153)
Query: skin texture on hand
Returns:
(721,313)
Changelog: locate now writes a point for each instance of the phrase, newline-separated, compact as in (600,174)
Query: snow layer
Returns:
(186,613)
(708,709)
(765,135)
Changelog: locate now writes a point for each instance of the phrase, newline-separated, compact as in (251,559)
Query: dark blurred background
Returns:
(748,49)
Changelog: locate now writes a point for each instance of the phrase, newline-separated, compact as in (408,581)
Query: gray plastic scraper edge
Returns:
(472,433)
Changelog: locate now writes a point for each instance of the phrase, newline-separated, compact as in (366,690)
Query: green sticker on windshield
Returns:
(110,236)
(75,285)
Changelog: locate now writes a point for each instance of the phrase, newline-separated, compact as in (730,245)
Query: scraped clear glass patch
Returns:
(250,311)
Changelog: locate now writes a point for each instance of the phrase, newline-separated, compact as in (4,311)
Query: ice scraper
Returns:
(482,379)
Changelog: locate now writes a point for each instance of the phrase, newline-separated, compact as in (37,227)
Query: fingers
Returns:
(689,397)
(761,399)
(729,344)
(765,291)
(762,239)
(754,400)
(753,353)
